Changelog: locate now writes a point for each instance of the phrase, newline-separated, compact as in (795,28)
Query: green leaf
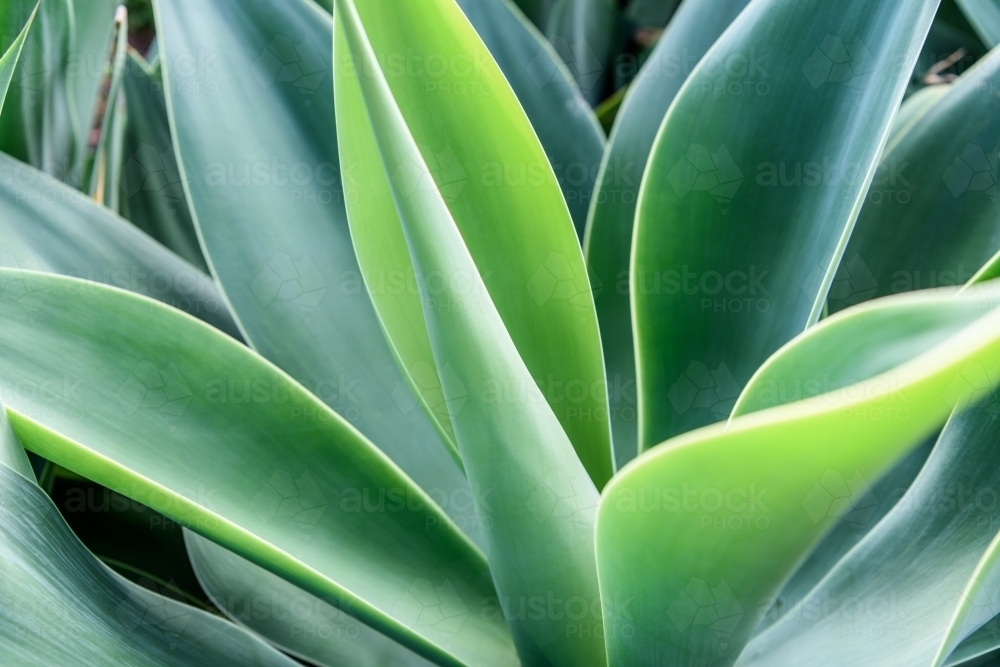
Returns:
(931,216)
(774,460)
(608,243)
(538,522)
(984,15)
(17,18)
(45,225)
(924,578)
(150,189)
(170,412)
(500,191)
(62,606)
(749,198)
(264,188)
(566,126)
(298,622)
(57,86)
(585,35)
(78,238)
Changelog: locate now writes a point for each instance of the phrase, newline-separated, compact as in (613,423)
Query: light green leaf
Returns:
(63,606)
(298,622)
(931,217)
(47,226)
(565,123)
(518,231)
(585,33)
(538,522)
(774,460)
(984,15)
(608,242)
(150,188)
(168,411)
(924,578)
(749,198)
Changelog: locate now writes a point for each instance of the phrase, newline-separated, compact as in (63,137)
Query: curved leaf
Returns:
(922,579)
(748,199)
(517,231)
(168,411)
(151,192)
(565,123)
(57,86)
(264,188)
(62,606)
(608,242)
(45,225)
(931,217)
(299,622)
(539,522)
(861,429)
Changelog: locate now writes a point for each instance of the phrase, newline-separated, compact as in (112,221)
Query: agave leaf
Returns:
(538,523)
(748,199)
(923,579)
(566,125)
(17,18)
(518,232)
(315,630)
(931,217)
(857,430)
(608,242)
(169,412)
(854,346)
(47,226)
(585,35)
(264,189)
(44,224)
(101,161)
(984,15)
(63,606)
(150,189)
(57,86)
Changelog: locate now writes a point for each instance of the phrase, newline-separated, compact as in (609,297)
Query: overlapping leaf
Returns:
(857,430)
(62,605)
(517,231)
(931,217)
(545,87)
(748,198)
(168,411)
(150,190)
(539,521)
(608,242)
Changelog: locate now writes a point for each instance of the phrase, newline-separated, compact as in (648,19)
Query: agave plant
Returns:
(339,333)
